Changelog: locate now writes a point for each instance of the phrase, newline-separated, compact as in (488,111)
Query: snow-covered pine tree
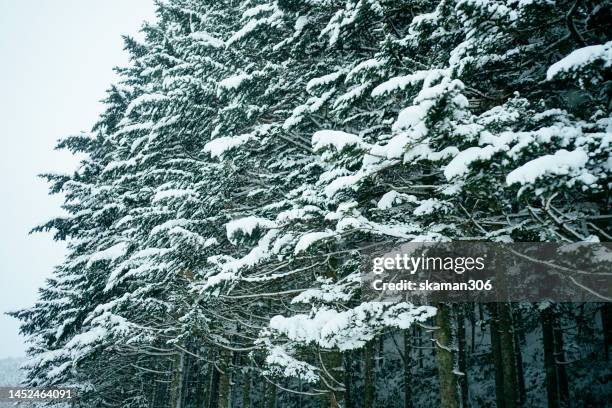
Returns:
(251,153)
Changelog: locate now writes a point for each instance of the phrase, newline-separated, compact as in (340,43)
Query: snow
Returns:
(399,82)
(561,163)
(217,147)
(325,79)
(253,24)
(254,11)
(210,242)
(349,329)
(108,254)
(307,240)
(412,117)
(366,65)
(289,366)
(387,200)
(168,225)
(119,164)
(133,127)
(329,292)
(256,255)
(142,100)
(171,193)
(302,327)
(245,30)
(233,81)
(461,162)
(427,206)
(207,39)
(580,58)
(341,183)
(338,139)
(353,93)
(300,23)
(247,226)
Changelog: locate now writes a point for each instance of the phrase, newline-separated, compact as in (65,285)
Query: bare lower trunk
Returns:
(348,378)
(264,393)
(272,396)
(561,372)
(224,381)
(497,358)
(407,365)
(213,387)
(520,373)
(462,357)
(177,381)
(369,376)
(445,358)
(606,323)
(506,335)
(548,339)
(246,388)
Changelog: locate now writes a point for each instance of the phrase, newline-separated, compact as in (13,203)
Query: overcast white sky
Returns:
(56,60)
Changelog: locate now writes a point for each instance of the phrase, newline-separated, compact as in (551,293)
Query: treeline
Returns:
(253,151)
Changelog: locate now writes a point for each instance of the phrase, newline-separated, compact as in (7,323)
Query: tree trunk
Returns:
(462,357)
(549,358)
(473,329)
(264,393)
(445,358)
(561,372)
(506,335)
(407,365)
(213,389)
(246,388)
(272,396)
(348,378)
(224,381)
(199,386)
(420,344)
(520,373)
(176,393)
(369,376)
(497,358)
(606,323)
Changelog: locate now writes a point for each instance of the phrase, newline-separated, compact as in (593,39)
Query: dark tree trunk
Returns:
(420,344)
(445,358)
(348,378)
(264,393)
(561,372)
(606,323)
(520,373)
(246,388)
(462,357)
(176,392)
(473,329)
(225,380)
(548,338)
(272,395)
(369,376)
(496,352)
(407,365)
(213,390)
(506,335)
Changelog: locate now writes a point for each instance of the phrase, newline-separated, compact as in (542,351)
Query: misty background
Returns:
(56,63)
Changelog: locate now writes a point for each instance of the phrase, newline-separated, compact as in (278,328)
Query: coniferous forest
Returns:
(253,149)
